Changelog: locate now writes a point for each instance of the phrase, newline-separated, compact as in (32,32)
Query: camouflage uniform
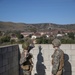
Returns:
(57,58)
(26,59)
(27,66)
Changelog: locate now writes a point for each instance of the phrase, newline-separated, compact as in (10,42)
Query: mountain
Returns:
(11,26)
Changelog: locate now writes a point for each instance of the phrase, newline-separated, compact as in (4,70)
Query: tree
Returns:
(20,36)
(4,39)
(71,35)
(13,41)
(59,32)
(43,40)
(30,35)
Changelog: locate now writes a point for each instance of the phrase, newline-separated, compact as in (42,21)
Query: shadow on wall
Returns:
(40,68)
(67,66)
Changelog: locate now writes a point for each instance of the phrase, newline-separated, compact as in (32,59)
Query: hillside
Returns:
(11,26)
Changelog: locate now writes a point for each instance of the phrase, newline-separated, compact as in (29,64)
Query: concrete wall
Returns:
(9,64)
(42,59)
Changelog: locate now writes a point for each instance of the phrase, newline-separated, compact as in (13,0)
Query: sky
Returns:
(38,11)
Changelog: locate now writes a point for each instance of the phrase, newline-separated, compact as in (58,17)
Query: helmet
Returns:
(56,42)
(25,46)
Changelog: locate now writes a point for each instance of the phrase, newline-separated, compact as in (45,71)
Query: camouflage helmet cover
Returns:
(25,46)
(56,42)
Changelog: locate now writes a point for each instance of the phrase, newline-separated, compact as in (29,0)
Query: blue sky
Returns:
(38,11)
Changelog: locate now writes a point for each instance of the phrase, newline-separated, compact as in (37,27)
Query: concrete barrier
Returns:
(9,62)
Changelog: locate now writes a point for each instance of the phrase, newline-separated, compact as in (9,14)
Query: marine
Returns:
(57,58)
(26,63)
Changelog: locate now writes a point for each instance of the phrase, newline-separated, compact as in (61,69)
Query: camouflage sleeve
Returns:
(55,63)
